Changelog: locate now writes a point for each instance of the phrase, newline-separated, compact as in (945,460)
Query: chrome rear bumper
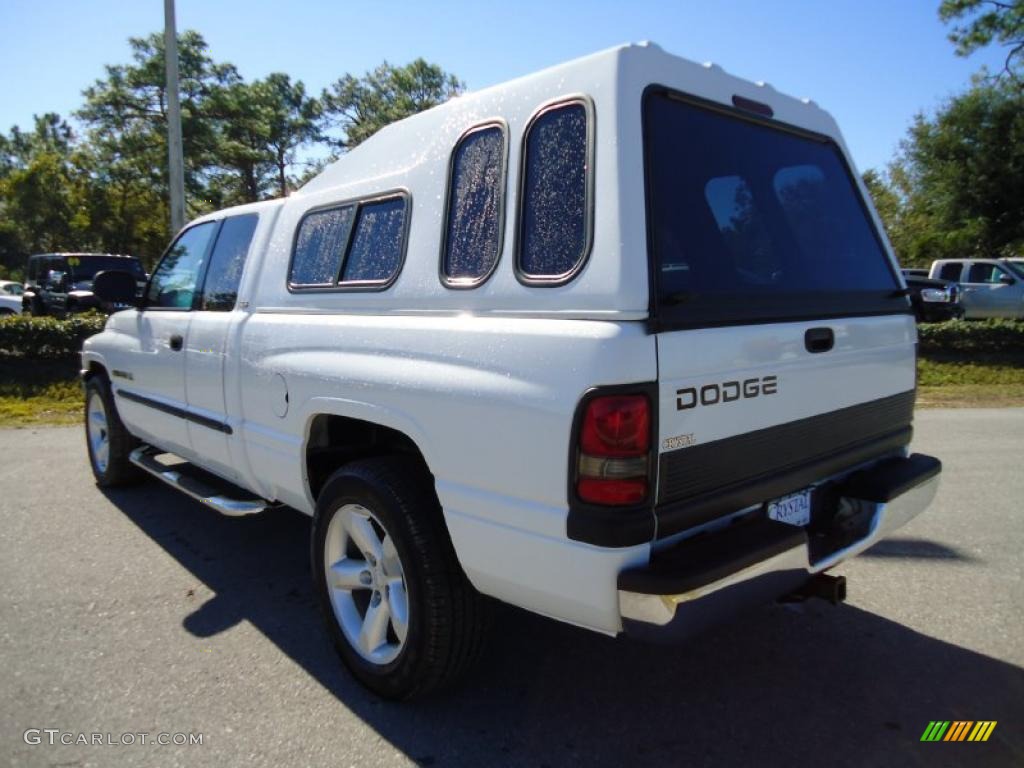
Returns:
(885,501)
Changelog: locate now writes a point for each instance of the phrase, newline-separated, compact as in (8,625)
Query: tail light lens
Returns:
(613,466)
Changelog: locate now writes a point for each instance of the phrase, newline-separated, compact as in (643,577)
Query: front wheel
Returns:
(108,442)
(403,616)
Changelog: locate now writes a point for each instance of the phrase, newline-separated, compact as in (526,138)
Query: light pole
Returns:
(176,163)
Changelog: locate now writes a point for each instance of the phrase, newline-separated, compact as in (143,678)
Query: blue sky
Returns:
(873,64)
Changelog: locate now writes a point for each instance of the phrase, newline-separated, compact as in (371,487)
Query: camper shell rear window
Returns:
(750,221)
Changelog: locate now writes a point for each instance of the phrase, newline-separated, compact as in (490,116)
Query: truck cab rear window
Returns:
(752,223)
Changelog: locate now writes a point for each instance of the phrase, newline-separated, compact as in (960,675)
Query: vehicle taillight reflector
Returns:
(618,425)
(615,437)
(612,492)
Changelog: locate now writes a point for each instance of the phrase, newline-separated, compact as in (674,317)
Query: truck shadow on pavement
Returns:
(782,686)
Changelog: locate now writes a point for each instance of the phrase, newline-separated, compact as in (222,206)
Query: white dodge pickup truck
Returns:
(620,342)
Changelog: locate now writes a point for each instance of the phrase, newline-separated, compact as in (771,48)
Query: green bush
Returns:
(972,337)
(47,337)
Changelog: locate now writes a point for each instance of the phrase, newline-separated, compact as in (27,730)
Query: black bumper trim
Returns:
(889,479)
(710,557)
(715,555)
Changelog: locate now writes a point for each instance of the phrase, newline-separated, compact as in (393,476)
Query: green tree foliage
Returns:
(957,186)
(103,184)
(982,22)
(45,187)
(359,107)
(263,126)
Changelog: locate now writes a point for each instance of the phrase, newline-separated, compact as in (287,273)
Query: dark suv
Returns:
(61,283)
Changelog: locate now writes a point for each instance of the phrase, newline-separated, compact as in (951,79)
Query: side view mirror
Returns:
(115,286)
(1007,280)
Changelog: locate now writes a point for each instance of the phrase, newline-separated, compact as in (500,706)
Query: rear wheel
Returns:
(403,616)
(106,438)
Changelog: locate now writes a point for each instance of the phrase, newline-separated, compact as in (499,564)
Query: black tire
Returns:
(446,615)
(117,470)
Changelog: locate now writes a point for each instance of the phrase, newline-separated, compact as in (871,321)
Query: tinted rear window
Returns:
(86,267)
(950,272)
(752,223)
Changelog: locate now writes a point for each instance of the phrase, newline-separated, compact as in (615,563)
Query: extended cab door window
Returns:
(986,273)
(220,289)
(173,285)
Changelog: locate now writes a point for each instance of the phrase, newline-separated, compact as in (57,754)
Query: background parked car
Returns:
(933,300)
(61,283)
(989,287)
(10,298)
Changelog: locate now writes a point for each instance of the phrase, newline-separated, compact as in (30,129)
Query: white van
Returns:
(620,343)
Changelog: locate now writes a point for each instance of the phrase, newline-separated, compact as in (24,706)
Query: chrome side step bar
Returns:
(145,458)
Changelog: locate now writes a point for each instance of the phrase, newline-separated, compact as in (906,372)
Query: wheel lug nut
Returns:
(375,600)
(365,578)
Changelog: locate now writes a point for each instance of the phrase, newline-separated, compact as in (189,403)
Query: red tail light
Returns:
(615,438)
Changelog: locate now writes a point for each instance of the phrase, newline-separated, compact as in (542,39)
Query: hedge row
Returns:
(49,338)
(972,337)
(46,337)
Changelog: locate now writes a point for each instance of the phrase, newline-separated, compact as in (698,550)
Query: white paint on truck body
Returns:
(486,381)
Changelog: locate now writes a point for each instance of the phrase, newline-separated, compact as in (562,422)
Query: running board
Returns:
(208,489)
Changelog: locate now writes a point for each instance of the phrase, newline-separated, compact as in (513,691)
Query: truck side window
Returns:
(320,246)
(553,223)
(950,272)
(475,206)
(174,282)
(985,273)
(376,250)
(220,289)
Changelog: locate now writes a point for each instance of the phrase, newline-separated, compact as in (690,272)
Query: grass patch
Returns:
(42,392)
(993,381)
(39,392)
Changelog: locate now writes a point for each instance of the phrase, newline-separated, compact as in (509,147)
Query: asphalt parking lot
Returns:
(143,611)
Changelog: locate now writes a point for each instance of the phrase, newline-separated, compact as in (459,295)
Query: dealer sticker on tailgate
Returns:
(794,509)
